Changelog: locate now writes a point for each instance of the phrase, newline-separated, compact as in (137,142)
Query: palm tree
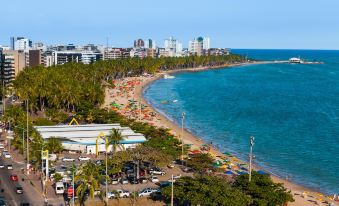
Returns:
(88,176)
(114,139)
(54,145)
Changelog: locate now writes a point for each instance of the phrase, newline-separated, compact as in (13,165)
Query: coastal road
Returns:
(7,187)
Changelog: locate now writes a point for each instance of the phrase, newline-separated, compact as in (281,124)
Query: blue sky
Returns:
(294,24)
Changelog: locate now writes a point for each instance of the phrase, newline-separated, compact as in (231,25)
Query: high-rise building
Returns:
(12,42)
(198,45)
(173,47)
(150,44)
(22,44)
(13,63)
(139,43)
(36,58)
(206,43)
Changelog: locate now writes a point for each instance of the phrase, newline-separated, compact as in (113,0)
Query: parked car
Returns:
(122,193)
(115,181)
(14,178)
(2,202)
(19,189)
(163,184)
(7,155)
(145,192)
(124,181)
(9,167)
(133,180)
(156,171)
(2,146)
(84,158)
(154,179)
(68,159)
(143,180)
(2,166)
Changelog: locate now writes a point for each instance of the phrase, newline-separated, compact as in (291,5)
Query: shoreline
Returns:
(189,138)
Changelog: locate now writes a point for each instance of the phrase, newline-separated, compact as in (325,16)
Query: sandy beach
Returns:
(127,99)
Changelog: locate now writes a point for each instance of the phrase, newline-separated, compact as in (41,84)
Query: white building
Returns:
(198,45)
(173,47)
(206,43)
(195,47)
(83,137)
(88,57)
(22,44)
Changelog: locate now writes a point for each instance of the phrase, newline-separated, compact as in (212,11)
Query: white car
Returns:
(84,158)
(124,181)
(68,159)
(122,193)
(157,171)
(2,166)
(2,146)
(9,167)
(115,181)
(8,156)
(154,179)
(145,192)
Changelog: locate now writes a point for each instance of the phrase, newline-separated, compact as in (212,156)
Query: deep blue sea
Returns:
(292,110)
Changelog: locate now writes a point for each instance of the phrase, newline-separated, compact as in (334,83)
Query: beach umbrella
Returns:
(228,172)
(261,172)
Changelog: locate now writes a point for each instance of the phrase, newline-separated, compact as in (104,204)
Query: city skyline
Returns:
(245,24)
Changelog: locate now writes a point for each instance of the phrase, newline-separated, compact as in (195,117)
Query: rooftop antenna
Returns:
(107,43)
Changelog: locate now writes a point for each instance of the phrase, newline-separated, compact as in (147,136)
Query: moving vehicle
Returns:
(7,155)
(19,190)
(84,158)
(2,166)
(59,188)
(2,146)
(68,159)
(14,178)
(9,167)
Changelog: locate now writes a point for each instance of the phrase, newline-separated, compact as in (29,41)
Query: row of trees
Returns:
(210,190)
(70,85)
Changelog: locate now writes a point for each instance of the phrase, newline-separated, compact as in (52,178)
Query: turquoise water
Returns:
(292,110)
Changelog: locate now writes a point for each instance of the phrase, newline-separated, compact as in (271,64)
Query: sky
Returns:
(257,24)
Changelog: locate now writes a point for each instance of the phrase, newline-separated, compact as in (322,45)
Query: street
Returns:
(30,194)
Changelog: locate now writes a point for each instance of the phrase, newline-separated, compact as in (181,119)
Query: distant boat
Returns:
(166,76)
(175,100)
(295,60)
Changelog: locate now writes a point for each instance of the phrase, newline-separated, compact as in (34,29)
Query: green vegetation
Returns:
(209,190)
(262,190)
(206,191)
(53,145)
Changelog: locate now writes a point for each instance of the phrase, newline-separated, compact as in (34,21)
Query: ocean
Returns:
(292,110)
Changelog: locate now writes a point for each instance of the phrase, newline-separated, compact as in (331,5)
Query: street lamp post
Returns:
(172,193)
(182,137)
(23,140)
(250,166)
(27,143)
